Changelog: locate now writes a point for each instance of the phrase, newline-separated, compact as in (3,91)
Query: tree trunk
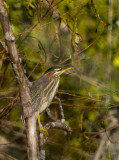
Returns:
(30,118)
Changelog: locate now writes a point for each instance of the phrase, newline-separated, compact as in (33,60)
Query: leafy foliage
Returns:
(58,33)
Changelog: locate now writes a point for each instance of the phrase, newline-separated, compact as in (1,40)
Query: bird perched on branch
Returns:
(44,89)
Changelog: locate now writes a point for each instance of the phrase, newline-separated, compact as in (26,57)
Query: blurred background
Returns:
(49,33)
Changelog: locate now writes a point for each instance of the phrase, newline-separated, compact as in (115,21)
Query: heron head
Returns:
(58,70)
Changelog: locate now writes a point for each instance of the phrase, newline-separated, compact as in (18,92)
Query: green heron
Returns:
(44,89)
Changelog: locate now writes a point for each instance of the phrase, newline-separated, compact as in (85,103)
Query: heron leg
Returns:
(41,128)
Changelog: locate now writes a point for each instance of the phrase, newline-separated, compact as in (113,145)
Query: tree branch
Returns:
(58,125)
(30,118)
(42,138)
(61,109)
(4,45)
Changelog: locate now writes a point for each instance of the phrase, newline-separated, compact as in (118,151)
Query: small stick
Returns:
(61,109)
(58,125)
(51,115)
(42,141)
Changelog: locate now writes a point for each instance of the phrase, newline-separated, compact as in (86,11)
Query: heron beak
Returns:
(65,69)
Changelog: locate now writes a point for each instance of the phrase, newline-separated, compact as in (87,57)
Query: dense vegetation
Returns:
(84,34)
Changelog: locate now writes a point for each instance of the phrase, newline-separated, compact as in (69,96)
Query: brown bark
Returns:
(10,42)
(32,145)
(23,87)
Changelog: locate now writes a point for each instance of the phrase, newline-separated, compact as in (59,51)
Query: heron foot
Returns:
(41,128)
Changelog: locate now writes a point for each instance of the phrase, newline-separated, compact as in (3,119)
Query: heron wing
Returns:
(42,92)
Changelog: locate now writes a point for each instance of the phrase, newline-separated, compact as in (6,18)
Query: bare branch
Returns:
(4,45)
(50,115)
(42,146)
(58,125)
(30,118)
(61,109)
(10,42)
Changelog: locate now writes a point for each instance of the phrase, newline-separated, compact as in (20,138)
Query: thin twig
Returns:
(51,115)
(42,142)
(4,45)
(61,109)
(58,125)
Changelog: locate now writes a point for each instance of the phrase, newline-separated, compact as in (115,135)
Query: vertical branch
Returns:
(12,51)
(32,141)
(109,37)
(23,87)
(58,41)
(75,42)
(118,26)
(109,139)
(42,141)
(61,109)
